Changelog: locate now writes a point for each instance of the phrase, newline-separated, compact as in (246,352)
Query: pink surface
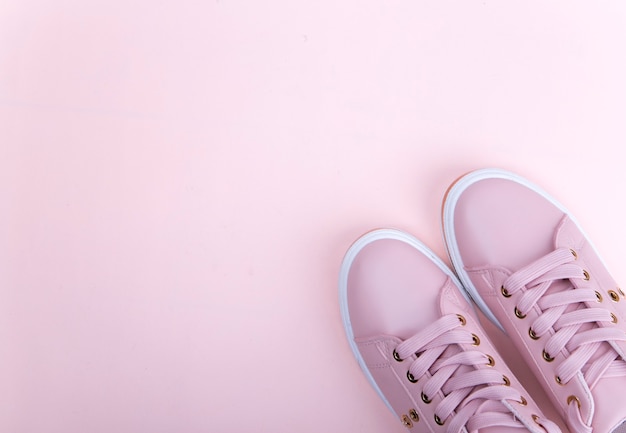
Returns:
(178,184)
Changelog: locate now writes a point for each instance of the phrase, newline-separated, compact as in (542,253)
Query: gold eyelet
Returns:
(522,401)
(536,419)
(532,334)
(613,318)
(559,380)
(425,399)
(598,296)
(413,415)
(410,377)
(574,253)
(476,340)
(586,275)
(505,292)
(547,357)
(506,380)
(439,421)
(621,292)
(572,398)
(613,295)
(406,421)
(519,314)
(396,356)
(490,361)
(461,319)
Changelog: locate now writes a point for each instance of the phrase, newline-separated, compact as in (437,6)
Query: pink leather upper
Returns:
(394,291)
(501,226)
(384,290)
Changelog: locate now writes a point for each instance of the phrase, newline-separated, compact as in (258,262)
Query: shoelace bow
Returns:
(472,390)
(577,333)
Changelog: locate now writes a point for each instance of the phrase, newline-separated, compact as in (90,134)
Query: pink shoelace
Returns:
(569,321)
(473,391)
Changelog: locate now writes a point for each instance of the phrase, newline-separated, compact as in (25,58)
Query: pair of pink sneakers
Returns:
(524,261)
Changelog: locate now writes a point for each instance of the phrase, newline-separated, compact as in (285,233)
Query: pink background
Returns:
(179,182)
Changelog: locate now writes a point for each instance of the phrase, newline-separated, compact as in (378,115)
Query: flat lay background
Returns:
(180,180)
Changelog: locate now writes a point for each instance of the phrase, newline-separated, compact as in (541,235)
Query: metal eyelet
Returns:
(519,314)
(461,319)
(522,401)
(490,361)
(613,295)
(506,380)
(572,398)
(547,357)
(439,421)
(559,380)
(406,421)
(598,296)
(532,334)
(505,292)
(425,399)
(536,419)
(586,275)
(410,377)
(396,356)
(574,253)
(413,415)
(613,318)
(475,340)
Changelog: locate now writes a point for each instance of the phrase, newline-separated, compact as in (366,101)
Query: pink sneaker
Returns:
(533,272)
(419,342)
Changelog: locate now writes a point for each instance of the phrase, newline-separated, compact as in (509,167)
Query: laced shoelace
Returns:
(472,390)
(573,325)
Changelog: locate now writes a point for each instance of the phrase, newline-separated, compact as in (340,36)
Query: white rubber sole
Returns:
(353,251)
(449,235)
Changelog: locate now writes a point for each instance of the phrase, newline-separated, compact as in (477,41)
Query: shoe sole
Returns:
(353,251)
